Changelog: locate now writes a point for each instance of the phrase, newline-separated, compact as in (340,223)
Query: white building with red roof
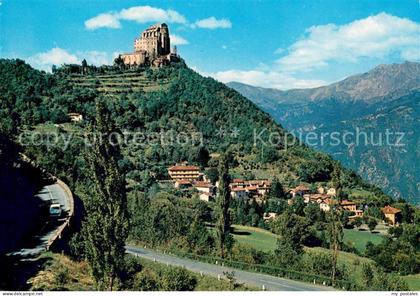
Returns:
(184,172)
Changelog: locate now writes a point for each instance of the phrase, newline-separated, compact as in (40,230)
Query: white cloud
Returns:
(95,57)
(58,56)
(178,40)
(139,14)
(55,56)
(213,23)
(279,50)
(270,79)
(148,14)
(376,36)
(145,14)
(379,36)
(104,20)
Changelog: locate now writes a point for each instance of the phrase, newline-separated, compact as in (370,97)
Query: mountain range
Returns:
(383,100)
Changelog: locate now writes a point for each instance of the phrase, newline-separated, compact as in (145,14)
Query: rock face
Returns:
(385,98)
(151,48)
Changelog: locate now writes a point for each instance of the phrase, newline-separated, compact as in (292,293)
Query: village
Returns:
(191,178)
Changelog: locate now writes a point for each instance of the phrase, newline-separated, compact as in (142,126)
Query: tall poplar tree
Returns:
(224,238)
(106,226)
(336,180)
(335,231)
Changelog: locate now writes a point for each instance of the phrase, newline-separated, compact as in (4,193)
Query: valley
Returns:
(366,107)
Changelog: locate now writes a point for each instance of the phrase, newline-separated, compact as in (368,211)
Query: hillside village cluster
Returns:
(190,177)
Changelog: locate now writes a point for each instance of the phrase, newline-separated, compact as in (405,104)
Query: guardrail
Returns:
(69,197)
(58,233)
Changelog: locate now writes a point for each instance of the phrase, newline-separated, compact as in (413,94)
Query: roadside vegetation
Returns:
(60,273)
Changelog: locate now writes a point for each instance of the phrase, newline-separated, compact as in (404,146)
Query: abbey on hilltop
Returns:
(153,48)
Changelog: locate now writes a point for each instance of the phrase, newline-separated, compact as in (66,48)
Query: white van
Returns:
(55,210)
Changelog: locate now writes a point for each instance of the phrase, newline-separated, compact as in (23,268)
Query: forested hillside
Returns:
(181,103)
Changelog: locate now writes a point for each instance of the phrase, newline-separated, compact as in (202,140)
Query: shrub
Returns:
(62,276)
(389,282)
(178,279)
(146,280)
(320,264)
(246,254)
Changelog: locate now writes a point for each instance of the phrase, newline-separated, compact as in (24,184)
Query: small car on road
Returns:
(55,210)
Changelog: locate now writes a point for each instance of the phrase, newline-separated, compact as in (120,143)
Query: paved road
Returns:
(50,194)
(252,279)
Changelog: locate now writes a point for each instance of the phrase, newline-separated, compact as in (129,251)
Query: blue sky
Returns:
(281,44)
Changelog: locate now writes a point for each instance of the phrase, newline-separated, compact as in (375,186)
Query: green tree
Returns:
(389,282)
(336,180)
(146,280)
(199,239)
(84,67)
(335,232)
(407,213)
(319,263)
(276,190)
(268,154)
(286,255)
(224,238)
(298,205)
(312,213)
(367,275)
(119,62)
(292,230)
(372,224)
(178,279)
(203,156)
(212,174)
(358,221)
(106,225)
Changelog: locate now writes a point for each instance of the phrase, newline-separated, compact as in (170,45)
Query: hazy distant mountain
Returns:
(383,80)
(386,97)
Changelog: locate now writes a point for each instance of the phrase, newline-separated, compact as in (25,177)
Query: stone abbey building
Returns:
(153,48)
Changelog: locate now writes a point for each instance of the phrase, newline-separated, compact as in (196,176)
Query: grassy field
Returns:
(266,241)
(352,261)
(360,194)
(413,281)
(257,238)
(359,239)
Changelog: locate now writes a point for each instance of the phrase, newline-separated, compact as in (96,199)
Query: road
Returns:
(270,283)
(53,193)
